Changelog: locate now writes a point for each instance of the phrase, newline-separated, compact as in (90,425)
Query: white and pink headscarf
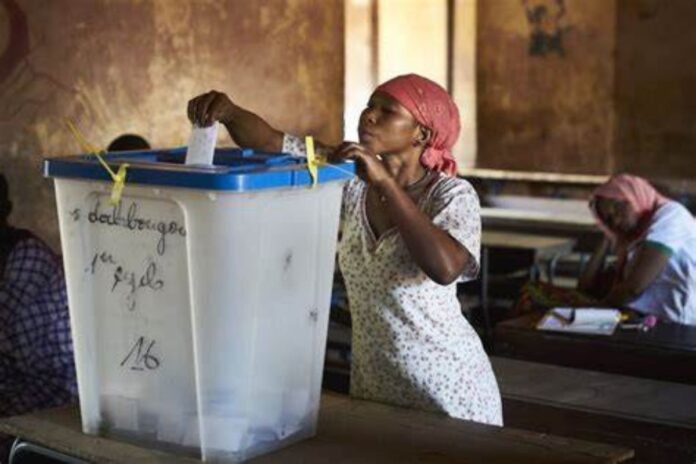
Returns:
(641,198)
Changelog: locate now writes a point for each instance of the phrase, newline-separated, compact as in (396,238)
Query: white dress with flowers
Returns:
(411,345)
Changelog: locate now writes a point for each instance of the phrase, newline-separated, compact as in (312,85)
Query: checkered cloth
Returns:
(36,355)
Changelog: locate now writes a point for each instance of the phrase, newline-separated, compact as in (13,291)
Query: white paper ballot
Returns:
(201,146)
(600,321)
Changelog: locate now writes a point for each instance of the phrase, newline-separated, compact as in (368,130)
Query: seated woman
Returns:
(655,242)
(36,353)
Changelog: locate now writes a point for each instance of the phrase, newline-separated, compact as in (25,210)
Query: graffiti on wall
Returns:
(546,19)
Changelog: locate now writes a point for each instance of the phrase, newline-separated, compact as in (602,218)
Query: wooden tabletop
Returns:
(608,394)
(542,245)
(349,431)
(500,216)
(541,223)
(532,176)
(581,221)
(648,416)
(663,353)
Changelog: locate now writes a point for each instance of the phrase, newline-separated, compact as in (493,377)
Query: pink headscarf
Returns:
(641,197)
(432,107)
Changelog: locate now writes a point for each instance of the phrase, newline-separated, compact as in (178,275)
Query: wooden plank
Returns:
(610,394)
(584,230)
(652,443)
(349,431)
(582,221)
(652,417)
(541,245)
(532,176)
(661,353)
(360,431)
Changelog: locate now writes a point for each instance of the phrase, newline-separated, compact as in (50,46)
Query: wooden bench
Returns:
(349,431)
(655,418)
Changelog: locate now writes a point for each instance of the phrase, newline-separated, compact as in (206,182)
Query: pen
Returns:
(565,320)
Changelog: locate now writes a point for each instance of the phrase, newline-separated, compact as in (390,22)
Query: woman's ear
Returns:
(424,135)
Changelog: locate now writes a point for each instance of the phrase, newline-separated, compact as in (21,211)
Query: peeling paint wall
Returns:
(545,85)
(117,66)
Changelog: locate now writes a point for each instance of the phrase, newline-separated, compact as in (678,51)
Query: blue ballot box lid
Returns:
(233,169)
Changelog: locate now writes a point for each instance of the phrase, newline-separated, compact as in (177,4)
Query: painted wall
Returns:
(464,80)
(656,88)
(545,85)
(615,91)
(131,66)
(412,38)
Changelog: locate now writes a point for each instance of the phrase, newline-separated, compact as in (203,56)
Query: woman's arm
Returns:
(247,129)
(588,280)
(644,269)
(436,252)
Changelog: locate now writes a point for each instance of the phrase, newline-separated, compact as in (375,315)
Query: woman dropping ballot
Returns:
(410,231)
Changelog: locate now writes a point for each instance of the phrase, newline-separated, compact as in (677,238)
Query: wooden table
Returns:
(541,245)
(580,227)
(653,417)
(496,216)
(349,431)
(667,352)
(538,246)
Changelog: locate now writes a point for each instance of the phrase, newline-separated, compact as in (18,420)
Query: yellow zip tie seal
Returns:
(119,178)
(119,183)
(312,161)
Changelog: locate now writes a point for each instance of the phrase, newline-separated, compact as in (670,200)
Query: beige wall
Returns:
(412,39)
(464,80)
(361,75)
(131,66)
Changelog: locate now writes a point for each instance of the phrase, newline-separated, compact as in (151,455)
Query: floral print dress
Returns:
(411,345)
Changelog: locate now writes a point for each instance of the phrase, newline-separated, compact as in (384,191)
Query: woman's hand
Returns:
(588,282)
(205,109)
(368,166)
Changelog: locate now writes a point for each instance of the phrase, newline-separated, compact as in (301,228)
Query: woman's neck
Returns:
(406,170)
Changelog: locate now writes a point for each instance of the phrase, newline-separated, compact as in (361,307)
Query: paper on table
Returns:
(599,321)
(201,146)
